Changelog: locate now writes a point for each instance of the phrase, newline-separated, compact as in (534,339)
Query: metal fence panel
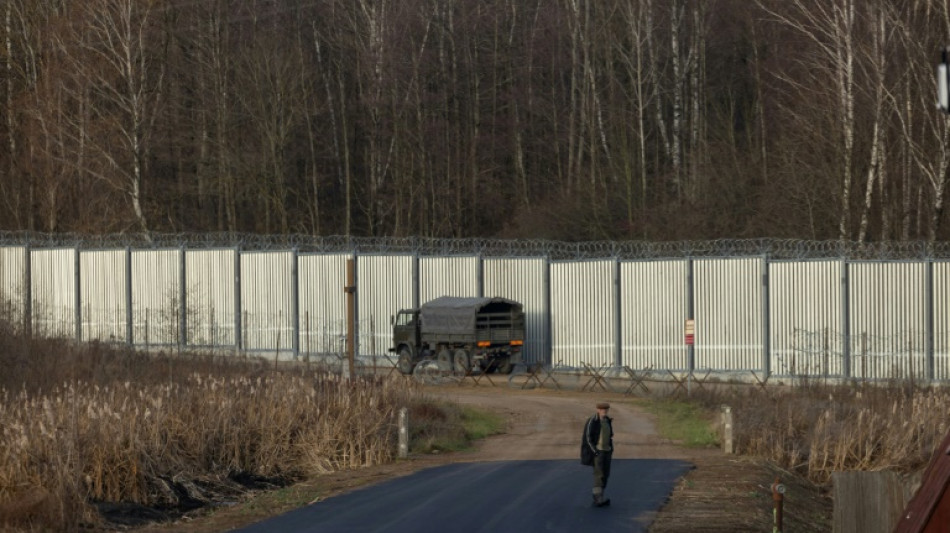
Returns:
(210,297)
(941,320)
(267,315)
(12,278)
(805,310)
(888,320)
(654,309)
(447,276)
(522,280)
(53,289)
(156,297)
(571,305)
(103,292)
(583,313)
(322,303)
(385,286)
(728,313)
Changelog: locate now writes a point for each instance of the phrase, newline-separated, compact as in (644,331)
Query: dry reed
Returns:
(96,438)
(816,429)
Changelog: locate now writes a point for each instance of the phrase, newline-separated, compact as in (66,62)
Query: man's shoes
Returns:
(600,501)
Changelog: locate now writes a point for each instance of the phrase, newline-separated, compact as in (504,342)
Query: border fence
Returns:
(867,311)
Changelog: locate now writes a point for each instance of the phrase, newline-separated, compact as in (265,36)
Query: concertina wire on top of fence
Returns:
(778,249)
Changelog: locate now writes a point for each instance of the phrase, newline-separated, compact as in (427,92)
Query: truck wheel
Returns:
(463,362)
(445,360)
(404,363)
(505,366)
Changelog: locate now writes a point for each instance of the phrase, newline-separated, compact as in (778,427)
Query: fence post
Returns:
(480,275)
(295,301)
(546,357)
(618,323)
(929,319)
(129,312)
(845,322)
(182,298)
(350,290)
(403,433)
(415,280)
(28,291)
(727,430)
(766,341)
(691,315)
(77,297)
(237,300)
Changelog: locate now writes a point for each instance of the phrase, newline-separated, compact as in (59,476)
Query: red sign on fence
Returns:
(690,331)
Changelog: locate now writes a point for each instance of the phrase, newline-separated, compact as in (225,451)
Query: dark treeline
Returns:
(563,119)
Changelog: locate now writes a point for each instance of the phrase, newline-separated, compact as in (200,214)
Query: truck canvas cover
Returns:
(449,314)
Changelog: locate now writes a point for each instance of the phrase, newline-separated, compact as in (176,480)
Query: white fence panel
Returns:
(728,312)
(583,313)
(447,276)
(267,313)
(805,310)
(53,289)
(886,335)
(654,309)
(12,279)
(385,286)
(156,296)
(522,280)
(210,297)
(941,319)
(888,320)
(103,292)
(322,304)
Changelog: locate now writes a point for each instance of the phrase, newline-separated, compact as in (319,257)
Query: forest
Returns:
(572,120)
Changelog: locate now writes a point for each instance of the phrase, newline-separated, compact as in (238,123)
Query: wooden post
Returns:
(350,290)
(867,502)
(727,430)
(403,433)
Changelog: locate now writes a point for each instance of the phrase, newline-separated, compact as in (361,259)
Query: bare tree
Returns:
(925,133)
(829,27)
(119,84)
(876,62)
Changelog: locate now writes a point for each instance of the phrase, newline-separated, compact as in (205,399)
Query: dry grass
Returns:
(816,429)
(86,424)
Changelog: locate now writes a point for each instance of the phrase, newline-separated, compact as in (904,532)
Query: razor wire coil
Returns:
(773,249)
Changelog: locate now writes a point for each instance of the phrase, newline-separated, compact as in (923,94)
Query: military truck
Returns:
(461,334)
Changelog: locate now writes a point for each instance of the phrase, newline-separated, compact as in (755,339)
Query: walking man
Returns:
(598,442)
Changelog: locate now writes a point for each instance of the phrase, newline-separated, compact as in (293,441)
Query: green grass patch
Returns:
(683,422)
(437,426)
(479,424)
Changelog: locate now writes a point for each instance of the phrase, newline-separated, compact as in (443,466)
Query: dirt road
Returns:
(547,425)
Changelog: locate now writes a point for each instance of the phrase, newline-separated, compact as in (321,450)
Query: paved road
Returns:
(498,496)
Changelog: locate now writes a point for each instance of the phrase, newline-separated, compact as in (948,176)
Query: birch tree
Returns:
(633,54)
(829,28)
(120,84)
(925,132)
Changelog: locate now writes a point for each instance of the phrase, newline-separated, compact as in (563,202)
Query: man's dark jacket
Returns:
(590,437)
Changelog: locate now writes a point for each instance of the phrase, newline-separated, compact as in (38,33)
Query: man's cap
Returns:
(603,405)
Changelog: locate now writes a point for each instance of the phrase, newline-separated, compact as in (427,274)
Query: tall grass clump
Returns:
(817,429)
(86,424)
